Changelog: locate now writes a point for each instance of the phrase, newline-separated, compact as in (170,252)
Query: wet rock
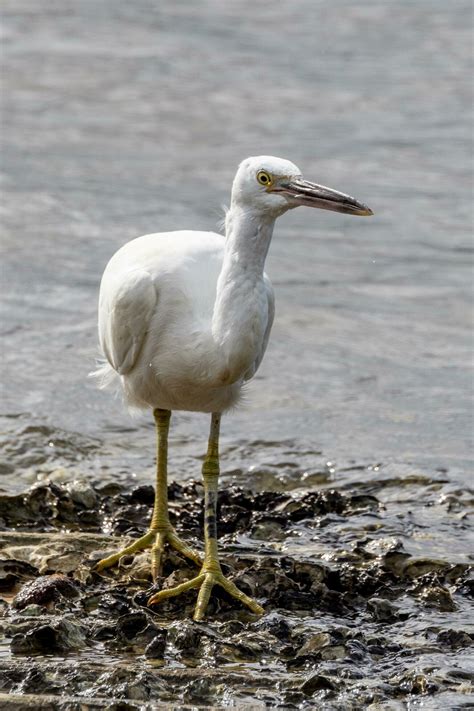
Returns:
(339,574)
(416,683)
(395,561)
(156,647)
(383,610)
(116,602)
(45,590)
(317,682)
(455,639)
(82,493)
(144,495)
(337,651)
(439,597)
(276,625)
(199,691)
(14,571)
(60,635)
(132,624)
(362,502)
(31,611)
(102,632)
(122,684)
(314,644)
(186,635)
(36,681)
(417,567)
(383,546)
(268,530)
(231,627)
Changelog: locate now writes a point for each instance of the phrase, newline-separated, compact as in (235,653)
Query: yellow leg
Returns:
(211,573)
(161,531)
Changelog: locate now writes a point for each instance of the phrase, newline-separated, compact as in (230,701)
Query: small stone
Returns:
(82,493)
(156,648)
(102,632)
(314,644)
(456,639)
(418,567)
(382,610)
(132,624)
(13,571)
(275,624)
(45,590)
(439,597)
(186,635)
(338,651)
(58,636)
(144,494)
(31,611)
(316,682)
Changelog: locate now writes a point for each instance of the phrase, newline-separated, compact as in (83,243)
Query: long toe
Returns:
(156,540)
(205,582)
(138,545)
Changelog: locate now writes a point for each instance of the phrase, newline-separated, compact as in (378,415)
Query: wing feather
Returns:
(126,305)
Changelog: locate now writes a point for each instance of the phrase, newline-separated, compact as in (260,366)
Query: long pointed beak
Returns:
(313,195)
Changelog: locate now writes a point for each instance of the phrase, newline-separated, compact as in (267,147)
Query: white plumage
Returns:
(185,317)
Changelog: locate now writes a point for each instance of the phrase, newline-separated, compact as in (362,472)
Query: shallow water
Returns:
(126,118)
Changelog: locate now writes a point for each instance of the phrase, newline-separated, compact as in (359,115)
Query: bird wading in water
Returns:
(184,321)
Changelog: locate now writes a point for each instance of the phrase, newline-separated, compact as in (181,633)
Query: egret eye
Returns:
(264,178)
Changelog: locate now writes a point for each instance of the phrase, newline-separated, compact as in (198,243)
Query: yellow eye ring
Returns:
(264,178)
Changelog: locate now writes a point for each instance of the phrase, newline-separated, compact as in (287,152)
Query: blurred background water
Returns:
(125,118)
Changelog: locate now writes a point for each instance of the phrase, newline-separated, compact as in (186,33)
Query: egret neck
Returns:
(241,309)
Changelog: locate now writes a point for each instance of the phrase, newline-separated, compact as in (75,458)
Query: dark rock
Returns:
(59,636)
(144,495)
(131,624)
(455,639)
(383,610)
(276,625)
(101,632)
(314,644)
(415,683)
(317,682)
(438,597)
(45,590)
(14,571)
(36,681)
(115,602)
(186,635)
(156,648)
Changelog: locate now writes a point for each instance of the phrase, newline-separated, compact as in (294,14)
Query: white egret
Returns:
(184,321)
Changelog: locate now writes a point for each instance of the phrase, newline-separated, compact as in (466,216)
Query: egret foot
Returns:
(156,540)
(205,581)
(211,573)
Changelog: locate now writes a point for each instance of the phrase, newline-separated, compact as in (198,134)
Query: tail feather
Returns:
(105,375)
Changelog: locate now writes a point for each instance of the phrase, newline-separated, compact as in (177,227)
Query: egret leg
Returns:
(161,531)
(211,573)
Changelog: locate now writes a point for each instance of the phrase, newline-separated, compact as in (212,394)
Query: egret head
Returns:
(272,185)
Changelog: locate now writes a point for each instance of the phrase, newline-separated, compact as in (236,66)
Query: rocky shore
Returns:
(363,624)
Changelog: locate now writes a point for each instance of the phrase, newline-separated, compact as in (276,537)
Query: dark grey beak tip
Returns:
(314,195)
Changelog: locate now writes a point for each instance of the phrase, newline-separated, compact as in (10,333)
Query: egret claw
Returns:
(206,581)
(156,540)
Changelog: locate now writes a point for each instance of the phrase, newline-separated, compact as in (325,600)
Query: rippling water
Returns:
(131,117)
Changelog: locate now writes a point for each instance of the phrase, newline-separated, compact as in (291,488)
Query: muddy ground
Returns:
(352,618)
